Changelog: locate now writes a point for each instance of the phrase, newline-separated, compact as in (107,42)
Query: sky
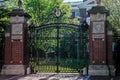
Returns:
(71,0)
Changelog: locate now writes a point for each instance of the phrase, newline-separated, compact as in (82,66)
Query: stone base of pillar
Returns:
(112,70)
(15,70)
(101,70)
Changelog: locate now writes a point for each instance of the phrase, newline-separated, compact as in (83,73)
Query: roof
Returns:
(98,9)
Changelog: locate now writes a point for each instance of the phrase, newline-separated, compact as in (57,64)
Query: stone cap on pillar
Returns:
(20,11)
(98,9)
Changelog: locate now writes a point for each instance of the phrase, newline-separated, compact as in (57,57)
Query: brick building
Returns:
(80,8)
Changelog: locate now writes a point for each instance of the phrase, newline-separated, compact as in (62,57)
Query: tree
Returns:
(43,11)
(4,21)
(114,7)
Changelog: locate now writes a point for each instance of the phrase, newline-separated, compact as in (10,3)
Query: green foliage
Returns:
(4,21)
(45,38)
(43,11)
(114,7)
(68,65)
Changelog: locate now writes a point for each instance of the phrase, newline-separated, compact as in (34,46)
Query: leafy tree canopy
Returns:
(114,7)
(43,11)
(4,21)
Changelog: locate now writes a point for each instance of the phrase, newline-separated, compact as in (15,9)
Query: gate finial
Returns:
(20,4)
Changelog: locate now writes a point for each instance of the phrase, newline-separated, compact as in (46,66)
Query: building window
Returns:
(74,5)
(77,14)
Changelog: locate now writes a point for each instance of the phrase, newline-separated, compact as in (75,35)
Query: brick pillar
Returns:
(100,46)
(7,48)
(16,59)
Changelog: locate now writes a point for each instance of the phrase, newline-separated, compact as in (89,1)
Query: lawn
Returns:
(66,65)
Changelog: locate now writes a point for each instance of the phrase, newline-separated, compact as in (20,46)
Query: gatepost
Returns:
(100,43)
(16,56)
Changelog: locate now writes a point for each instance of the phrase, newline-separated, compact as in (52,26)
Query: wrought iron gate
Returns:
(58,47)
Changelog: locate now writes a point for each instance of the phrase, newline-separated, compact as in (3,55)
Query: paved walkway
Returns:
(55,76)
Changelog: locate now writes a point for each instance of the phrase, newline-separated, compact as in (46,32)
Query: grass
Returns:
(66,65)
(53,68)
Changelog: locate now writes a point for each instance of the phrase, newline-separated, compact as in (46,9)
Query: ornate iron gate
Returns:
(58,47)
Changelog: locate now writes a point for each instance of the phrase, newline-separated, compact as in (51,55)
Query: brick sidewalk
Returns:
(9,77)
(3,77)
(104,78)
(55,76)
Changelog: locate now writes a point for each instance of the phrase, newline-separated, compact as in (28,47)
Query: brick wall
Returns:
(17,52)
(7,50)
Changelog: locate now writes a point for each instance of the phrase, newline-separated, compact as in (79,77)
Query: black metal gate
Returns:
(2,39)
(58,47)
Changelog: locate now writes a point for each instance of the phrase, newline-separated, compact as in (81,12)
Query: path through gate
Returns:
(58,47)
